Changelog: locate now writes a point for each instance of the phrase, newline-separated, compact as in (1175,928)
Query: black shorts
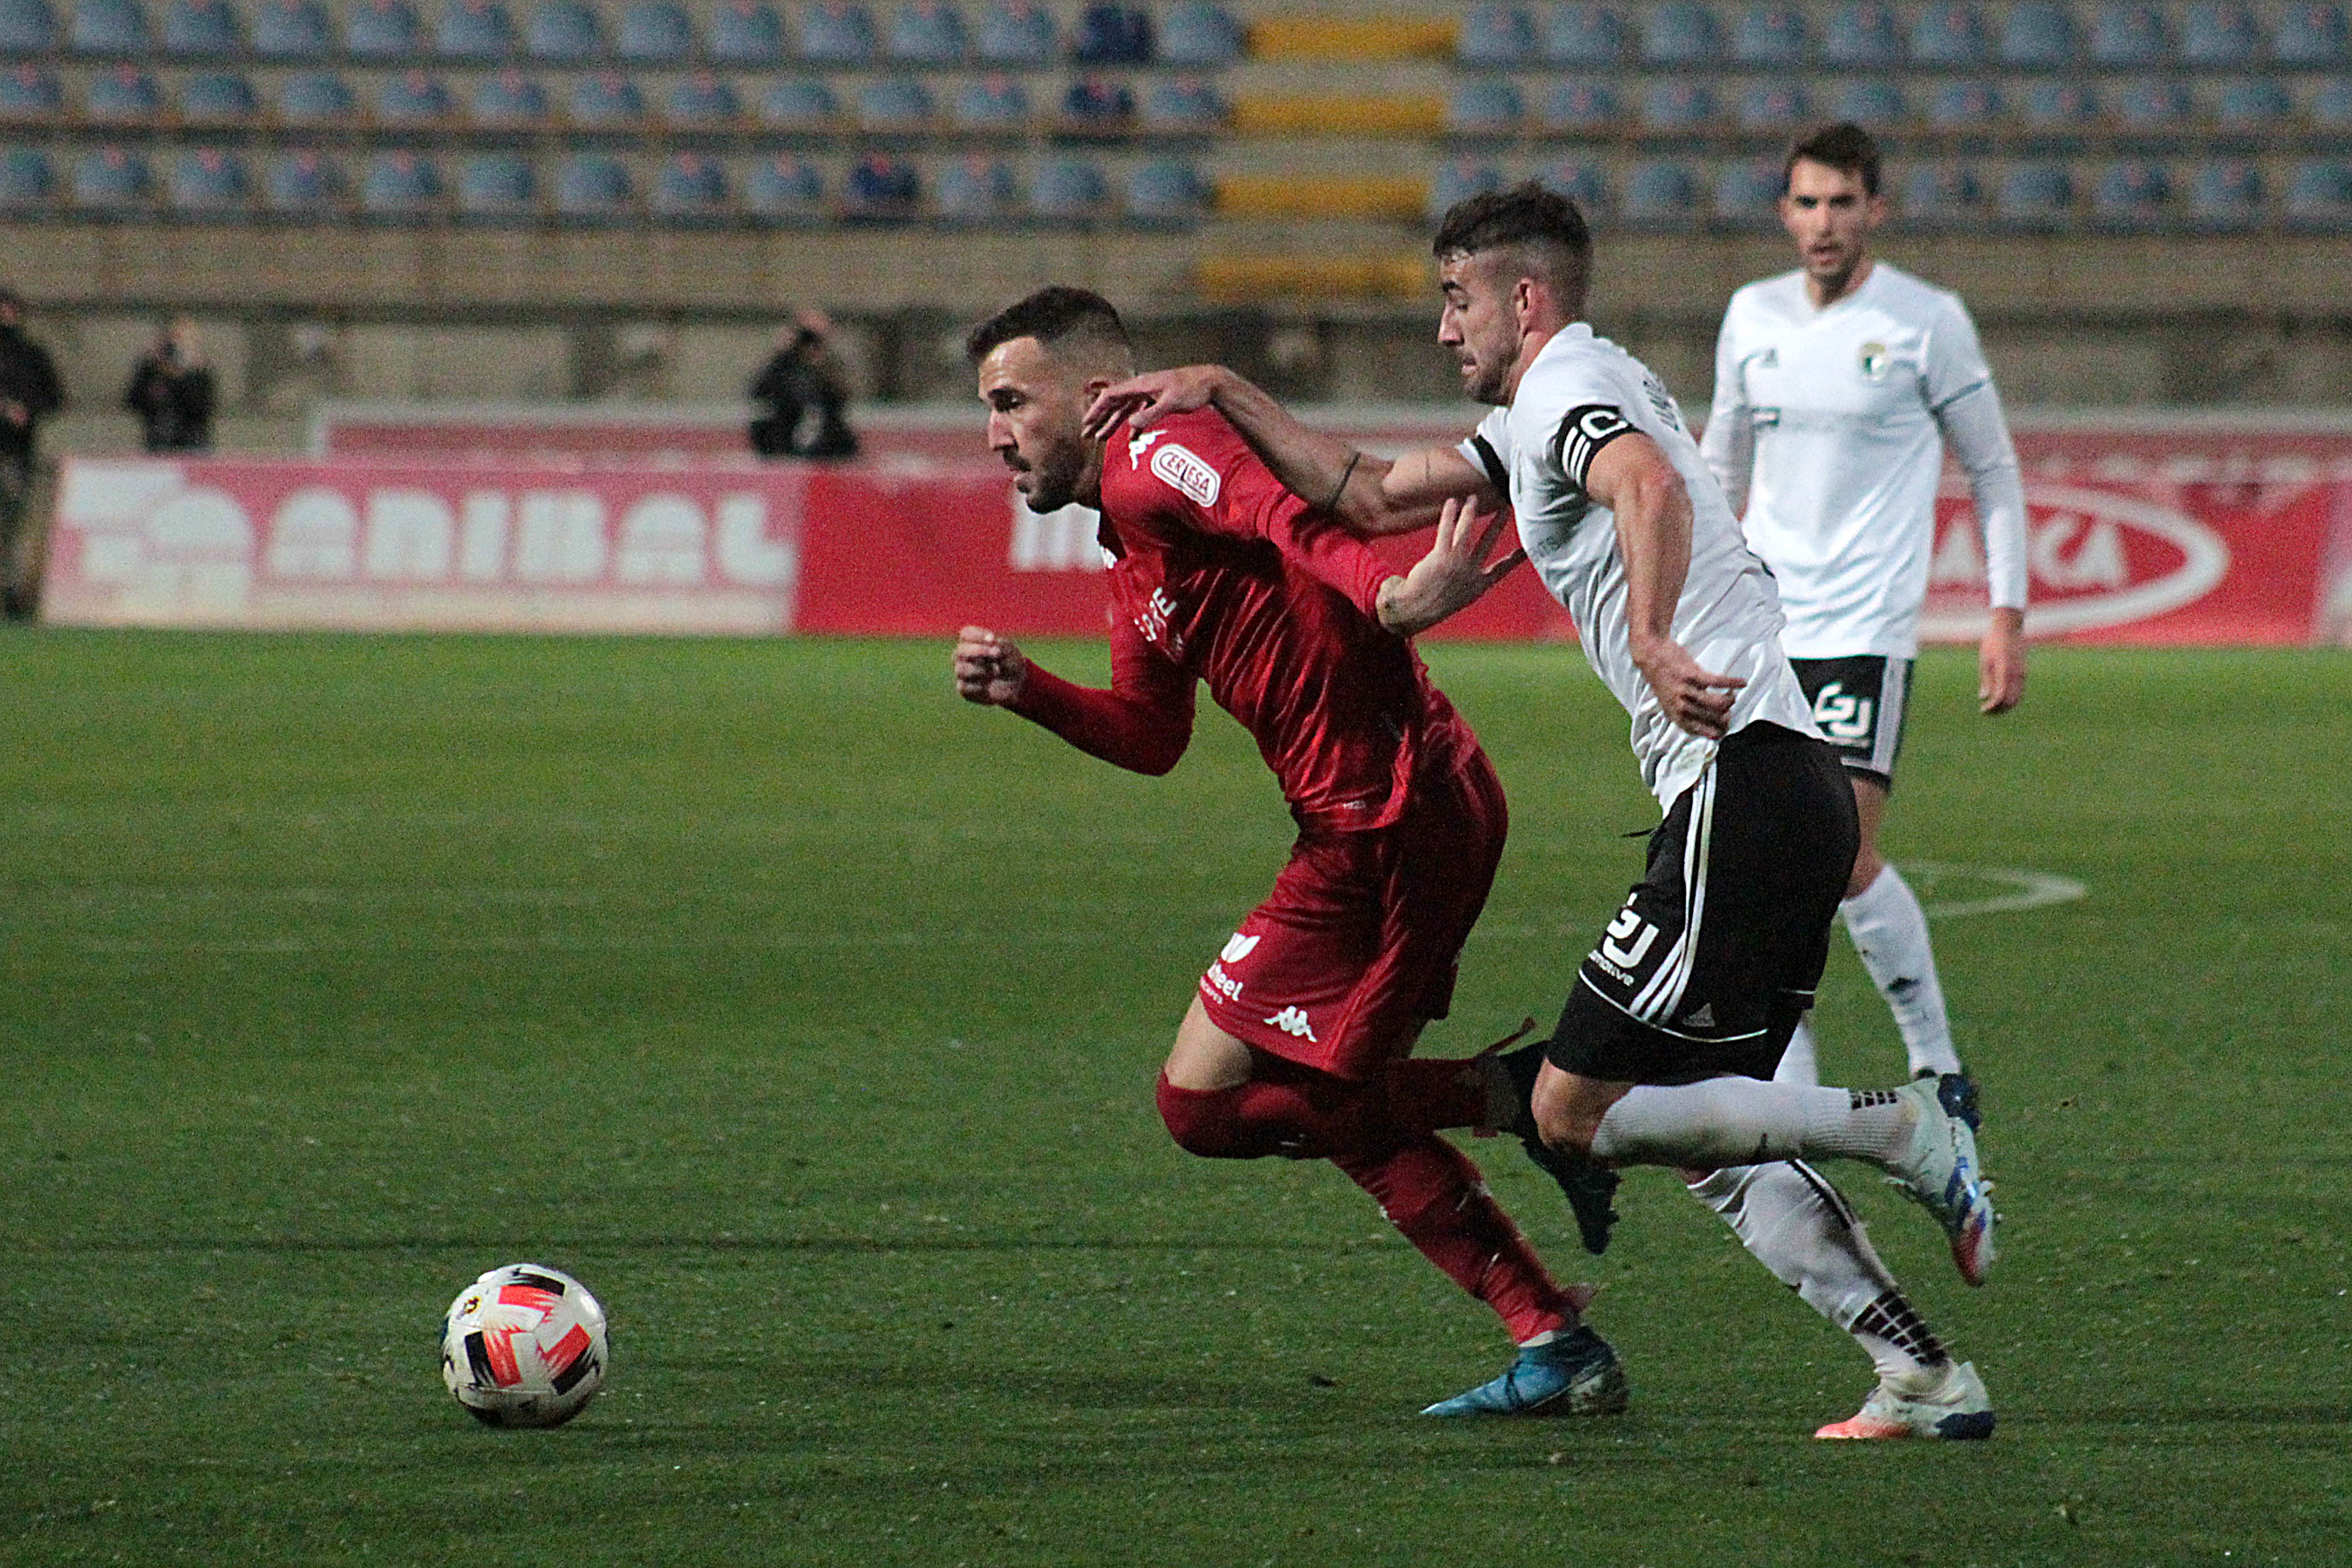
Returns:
(1715,956)
(1860,703)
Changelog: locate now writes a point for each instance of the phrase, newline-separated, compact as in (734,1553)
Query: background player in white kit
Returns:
(1837,387)
(1684,1008)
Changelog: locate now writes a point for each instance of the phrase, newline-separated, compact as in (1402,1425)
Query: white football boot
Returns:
(1948,1401)
(1940,1169)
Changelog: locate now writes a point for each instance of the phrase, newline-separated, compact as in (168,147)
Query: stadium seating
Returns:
(2126,35)
(881,188)
(2252,107)
(1498,36)
(400,185)
(1483,106)
(1772,108)
(27,27)
(107,28)
(1770,35)
(1166,193)
(2152,105)
(1068,189)
(2331,106)
(561,32)
(1182,104)
(29,92)
(701,102)
(2038,34)
(992,104)
(1747,196)
(1096,105)
(27,179)
(660,33)
(2036,196)
(124,95)
(836,33)
(509,99)
(977,190)
(592,187)
(1679,34)
(414,99)
(2313,33)
(896,104)
(2057,108)
(202,29)
(1948,36)
(1940,197)
(1108,34)
(1585,34)
(1964,106)
(474,30)
(784,188)
(302,184)
(1579,108)
(1877,105)
(799,103)
(111,180)
(1459,181)
(209,182)
(1582,183)
(218,98)
(1678,106)
(926,33)
(1199,34)
(2226,196)
(690,188)
(497,187)
(2319,195)
(292,30)
(1658,195)
(384,30)
(742,32)
(2130,197)
(1861,34)
(316,98)
(2220,34)
(609,102)
(1014,33)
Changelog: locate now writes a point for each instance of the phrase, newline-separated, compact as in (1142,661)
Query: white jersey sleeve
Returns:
(1729,443)
(1968,411)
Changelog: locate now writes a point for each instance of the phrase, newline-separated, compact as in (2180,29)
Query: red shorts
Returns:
(1358,945)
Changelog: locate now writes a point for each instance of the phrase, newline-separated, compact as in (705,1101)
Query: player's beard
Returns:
(1053,478)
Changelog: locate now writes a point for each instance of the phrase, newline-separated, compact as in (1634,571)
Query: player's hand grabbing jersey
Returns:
(1219,573)
(1581,393)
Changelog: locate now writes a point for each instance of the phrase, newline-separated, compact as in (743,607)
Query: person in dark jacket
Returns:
(171,390)
(29,393)
(804,375)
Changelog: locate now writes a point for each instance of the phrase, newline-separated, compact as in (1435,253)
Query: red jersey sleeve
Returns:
(1216,484)
(1142,723)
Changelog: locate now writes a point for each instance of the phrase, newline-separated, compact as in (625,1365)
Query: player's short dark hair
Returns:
(1054,315)
(1845,147)
(1548,225)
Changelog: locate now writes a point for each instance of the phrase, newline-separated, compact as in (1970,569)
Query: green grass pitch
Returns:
(811,1016)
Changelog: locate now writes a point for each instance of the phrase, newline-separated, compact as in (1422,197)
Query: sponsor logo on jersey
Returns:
(1159,612)
(1187,472)
(1225,984)
(2096,558)
(1875,362)
(1841,715)
(1293,1021)
(1238,947)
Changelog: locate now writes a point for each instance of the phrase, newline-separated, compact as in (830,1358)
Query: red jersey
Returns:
(1221,575)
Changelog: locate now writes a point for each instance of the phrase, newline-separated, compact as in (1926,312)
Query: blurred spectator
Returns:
(171,390)
(1095,103)
(1113,35)
(29,392)
(804,376)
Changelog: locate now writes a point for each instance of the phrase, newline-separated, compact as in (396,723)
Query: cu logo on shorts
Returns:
(1629,938)
(1841,715)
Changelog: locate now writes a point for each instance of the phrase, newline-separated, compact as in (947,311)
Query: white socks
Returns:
(1743,1121)
(1890,931)
(1797,1063)
(1800,1227)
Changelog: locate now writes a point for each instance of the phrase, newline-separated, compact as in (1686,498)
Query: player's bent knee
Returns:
(1561,1121)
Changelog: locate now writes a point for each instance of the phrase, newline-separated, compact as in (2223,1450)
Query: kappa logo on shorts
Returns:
(1186,471)
(1238,947)
(1841,715)
(1293,1021)
(1629,938)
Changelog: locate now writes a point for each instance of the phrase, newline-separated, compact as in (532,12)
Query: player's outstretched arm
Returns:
(1454,575)
(1631,478)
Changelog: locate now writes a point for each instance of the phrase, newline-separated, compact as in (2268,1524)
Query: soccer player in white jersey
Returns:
(1837,388)
(1665,1050)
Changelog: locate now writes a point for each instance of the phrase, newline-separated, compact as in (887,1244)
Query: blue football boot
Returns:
(1576,1374)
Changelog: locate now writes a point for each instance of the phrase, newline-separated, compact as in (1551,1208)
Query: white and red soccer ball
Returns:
(524,1346)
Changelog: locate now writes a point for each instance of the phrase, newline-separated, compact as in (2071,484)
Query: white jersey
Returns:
(1830,424)
(1581,393)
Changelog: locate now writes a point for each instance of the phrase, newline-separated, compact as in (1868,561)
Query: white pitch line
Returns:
(2034,889)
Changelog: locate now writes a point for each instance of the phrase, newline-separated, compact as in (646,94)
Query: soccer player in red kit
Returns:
(1299,1036)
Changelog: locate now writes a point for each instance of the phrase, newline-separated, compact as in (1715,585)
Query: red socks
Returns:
(1431,1192)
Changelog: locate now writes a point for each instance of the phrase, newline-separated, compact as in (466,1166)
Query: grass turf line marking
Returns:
(2032,890)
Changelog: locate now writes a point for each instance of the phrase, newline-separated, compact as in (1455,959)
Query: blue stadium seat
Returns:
(609,101)
(1200,33)
(497,187)
(1458,182)
(690,188)
(474,30)
(2319,195)
(1494,34)
(27,179)
(660,33)
(977,190)
(1483,106)
(1680,33)
(1014,33)
(895,103)
(509,99)
(1586,34)
(1940,197)
(2131,198)
(201,29)
(2126,34)
(881,188)
(2038,34)
(125,94)
(316,98)
(292,30)
(383,30)
(1961,106)
(2331,106)
(1874,105)
(2220,34)
(699,100)
(1579,108)
(1184,103)
(2226,195)
(1948,36)
(302,184)
(1777,108)
(29,92)
(799,103)
(1580,182)
(2153,105)
(785,189)
(108,27)
(1069,189)
(2312,33)
(836,33)
(1860,33)
(218,98)
(1110,34)
(563,32)
(2038,196)
(111,180)
(926,33)
(413,98)
(592,187)
(992,104)
(1659,195)
(743,32)
(1097,104)
(27,27)
(1167,193)
(1747,196)
(1677,105)
(2056,107)
(1770,34)
(208,182)
(2259,104)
